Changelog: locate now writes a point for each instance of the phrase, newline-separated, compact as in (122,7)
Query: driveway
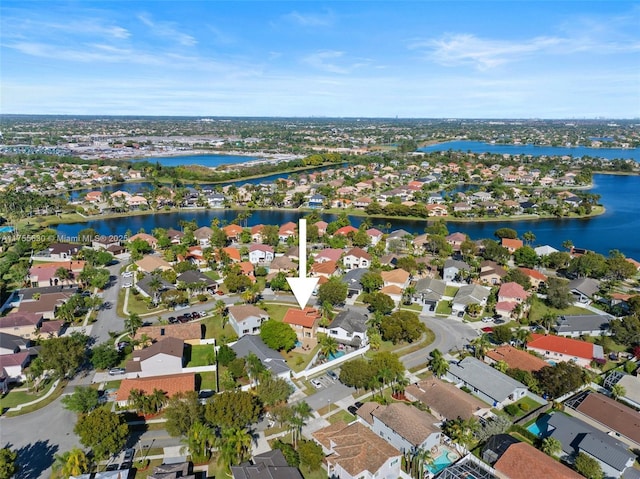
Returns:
(329,395)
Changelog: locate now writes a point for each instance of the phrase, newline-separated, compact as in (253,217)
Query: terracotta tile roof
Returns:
(328,267)
(612,414)
(517,358)
(521,459)
(70,265)
(232,230)
(446,399)
(183,331)
(395,276)
(355,448)
(512,290)
(345,230)
(145,237)
(170,384)
(512,243)
(560,344)
(330,254)
(257,229)
(391,289)
(287,228)
(304,317)
(233,253)
(151,263)
(535,274)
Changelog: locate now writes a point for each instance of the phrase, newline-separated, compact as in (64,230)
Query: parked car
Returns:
(352,409)
(332,374)
(487,319)
(195,315)
(112,467)
(116,371)
(126,465)
(317,384)
(173,320)
(127,274)
(203,314)
(127,285)
(357,404)
(128,454)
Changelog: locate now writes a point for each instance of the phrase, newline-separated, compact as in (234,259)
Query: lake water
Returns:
(576,152)
(618,228)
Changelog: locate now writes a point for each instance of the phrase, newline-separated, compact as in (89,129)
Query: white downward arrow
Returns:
(302,287)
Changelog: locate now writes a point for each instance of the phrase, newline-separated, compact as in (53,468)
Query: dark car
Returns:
(173,320)
(352,409)
(332,374)
(195,315)
(184,318)
(126,465)
(128,455)
(357,404)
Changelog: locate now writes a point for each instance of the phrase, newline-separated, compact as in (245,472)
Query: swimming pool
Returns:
(541,427)
(445,459)
(336,355)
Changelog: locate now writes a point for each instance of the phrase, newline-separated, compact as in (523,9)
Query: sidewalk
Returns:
(51,390)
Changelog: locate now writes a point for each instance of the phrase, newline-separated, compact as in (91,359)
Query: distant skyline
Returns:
(418,59)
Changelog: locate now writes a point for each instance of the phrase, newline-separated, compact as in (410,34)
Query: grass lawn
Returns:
(277,311)
(206,380)
(15,398)
(201,355)
(539,309)
(412,307)
(450,291)
(214,275)
(319,473)
(149,470)
(213,329)
(443,308)
(526,404)
(342,415)
(299,361)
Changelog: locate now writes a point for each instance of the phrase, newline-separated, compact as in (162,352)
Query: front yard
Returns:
(539,309)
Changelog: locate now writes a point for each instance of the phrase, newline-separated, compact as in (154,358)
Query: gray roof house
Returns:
(268,465)
(578,436)
(349,327)
(352,278)
(430,290)
(583,324)
(470,294)
(144,286)
(196,277)
(271,359)
(486,382)
(584,288)
(452,268)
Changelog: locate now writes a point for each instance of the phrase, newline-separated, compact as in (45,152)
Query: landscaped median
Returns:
(19,401)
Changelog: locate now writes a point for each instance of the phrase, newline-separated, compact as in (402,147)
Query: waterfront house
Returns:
(512,244)
(256,233)
(215,200)
(317,201)
(104,242)
(456,239)
(203,236)
(246,319)
(486,382)
(232,232)
(398,240)
(57,252)
(405,427)
(559,348)
(287,231)
(350,328)
(355,452)
(147,238)
(375,235)
(446,401)
(584,289)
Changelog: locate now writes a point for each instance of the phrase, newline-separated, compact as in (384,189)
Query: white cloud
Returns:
(323,61)
(311,19)
(167,30)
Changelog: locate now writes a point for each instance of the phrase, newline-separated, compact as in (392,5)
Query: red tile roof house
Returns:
(510,296)
(150,240)
(535,276)
(515,358)
(355,452)
(328,254)
(287,230)
(512,244)
(558,348)
(171,384)
(233,232)
(521,459)
(303,321)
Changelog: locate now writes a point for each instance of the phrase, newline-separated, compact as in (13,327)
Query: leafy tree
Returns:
(438,364)
(133,323)
(590,264)
(103,431)
(460,431)
(626,330)
(495,252)
(8,464)
(65,354)
(525,256)
(232,409)
(279,282)
(371,281)
(334,291)
(83,400)
(225,355)
(237,368)
(402,326)
(379,302)
(357,373)
(558,293)
(200,439)
(182,411)
(618,268)
(617,391)
(72,463)
(310,454)
(516,275)
(588,466)
(559,259)
(277,335)
(104,356)
(407,263)
(254,367)
(496,425)
(387,360)
(506,233)
(551,446)
(526,378)
(234,446)
(561,378)
(502,334)
(288,451)
(272,390)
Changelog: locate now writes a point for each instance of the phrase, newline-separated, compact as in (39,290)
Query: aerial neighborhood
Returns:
(179,350)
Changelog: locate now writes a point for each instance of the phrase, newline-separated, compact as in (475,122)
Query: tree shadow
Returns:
(35,458)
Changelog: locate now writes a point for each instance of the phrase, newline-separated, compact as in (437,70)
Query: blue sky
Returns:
(419,59)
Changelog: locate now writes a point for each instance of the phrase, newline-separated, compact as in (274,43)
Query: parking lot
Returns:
(325,380)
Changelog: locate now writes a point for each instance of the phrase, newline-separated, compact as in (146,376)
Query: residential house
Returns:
(374,235)
(349,327)
(150,263)
(12,367)
(559,348)
(355,452)
(470,294)
(287,231)
(246,319)
(535,276)
(398,240)
(203,236)
(104,242)
(215,200)
(282,264)
(189,333)
(352,279)
(491,272)
(452,269)
(510,296)
(261,253)
(545,250)
(512,244)
(24,325)
(612,416)
(147,238)
(430,290)
(579,325)
(520,459)
(486,382)
(231,253)
(58,252)
(268,465)
(271,359)
(446,401)
(515,358)
(324,270)
(631,385)
(317,201)
(584,289)
(136,201)
(397,277)
(256,234)
(356,258)
(175,236)
(11,344)
(167,471)
(304,322)
(437,210)
(152,286)
(345,230)
(162,357)
(233,232)
(456,240)
(577,436)
(322,227)
(47,304)
(405,427)
(328,254)
(170,384)
(197,281)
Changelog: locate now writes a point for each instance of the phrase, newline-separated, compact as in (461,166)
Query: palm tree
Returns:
(200,439)
(138,399)
(438,364)
(400,383)
(551,446)
(234,446)
(156,400)
(407,294)
(618,390)
(71,463)
(154,286)
(529,237)
(501,366)
(328,345)
(301,411)
(568,244)
(522,336)
(254,368)
(63,274)
(480,346)
(548,320)
(133,323)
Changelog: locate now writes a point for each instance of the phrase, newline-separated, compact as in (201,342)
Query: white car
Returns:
(127,285)
(317,384)
(127,274)
(487,319)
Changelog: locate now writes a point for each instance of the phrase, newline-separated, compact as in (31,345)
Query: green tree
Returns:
(289,453)
(333,291)
(516,275)
(529,237)
(357,373)
(71,463)
(104,356)
(234,446)
(617,391)
(182,411)
(200,439)
(232,409)
(328,345)
(438,364)
(310,454)
(480,345)
(103,431)
(502,334)
(83,400)
(371,281)
(273,390)
(551,446)
(402,326)
(8,464)
(277,335)
(588,466)
(64,355)
(225,355)
(379,302)
(558,293)
(387,360)
(133,323)
(525,256)
(626,330)
(301,411)
(561,378)
(506,233)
